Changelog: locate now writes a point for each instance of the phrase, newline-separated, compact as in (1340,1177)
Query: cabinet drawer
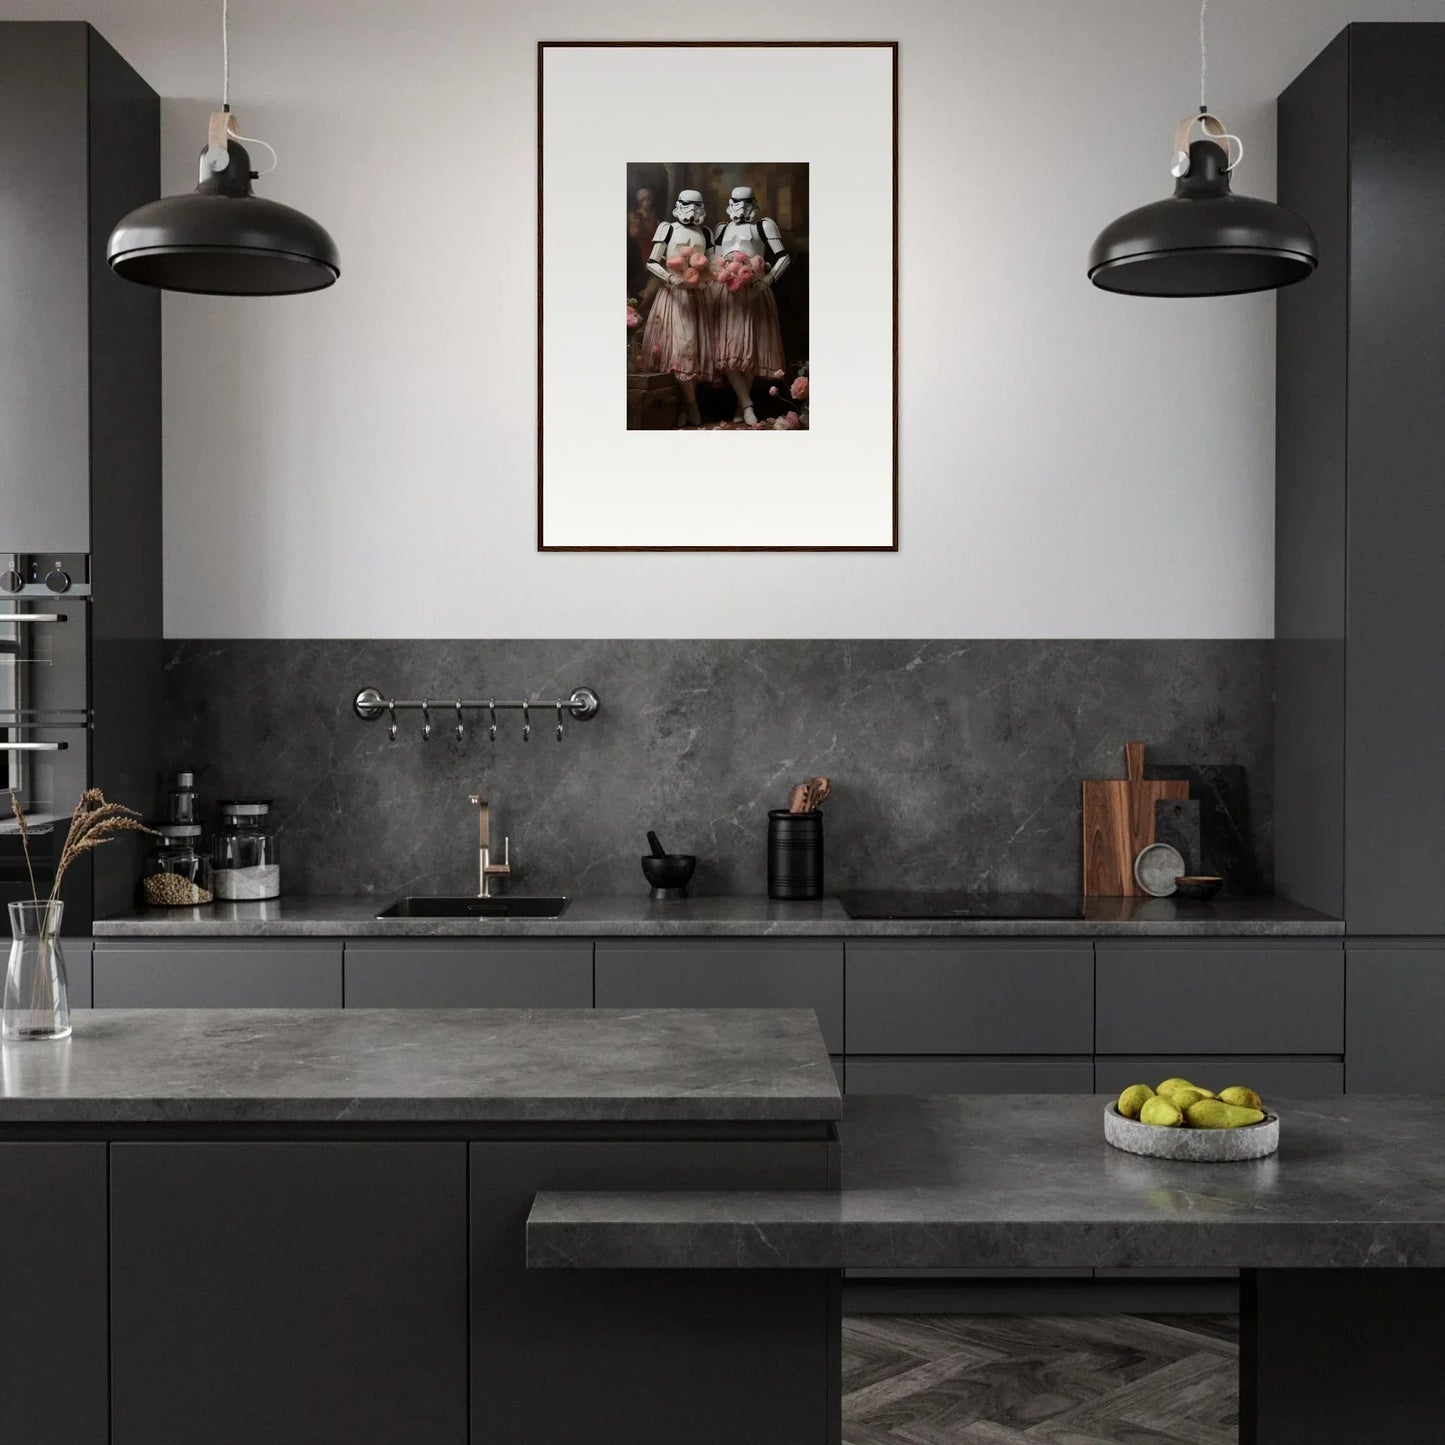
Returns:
(1396,1007)
(970,1076)
(1209,999)
(746,974)
(930,997)
(1274,1078)
(524,973)
(200,973)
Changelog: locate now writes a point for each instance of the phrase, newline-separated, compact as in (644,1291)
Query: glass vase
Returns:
(37,1001)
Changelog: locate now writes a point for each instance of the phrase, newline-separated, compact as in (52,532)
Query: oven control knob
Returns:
(58,581)
(11,581)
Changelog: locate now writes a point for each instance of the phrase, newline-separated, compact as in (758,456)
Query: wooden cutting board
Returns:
(1118,822)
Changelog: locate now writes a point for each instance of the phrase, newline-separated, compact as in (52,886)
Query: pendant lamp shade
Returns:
(1203,240)
(223,240)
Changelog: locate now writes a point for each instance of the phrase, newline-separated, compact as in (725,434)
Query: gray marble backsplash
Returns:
(954,764)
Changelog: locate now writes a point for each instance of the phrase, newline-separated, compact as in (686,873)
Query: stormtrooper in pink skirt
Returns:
(747,341)
(678,336)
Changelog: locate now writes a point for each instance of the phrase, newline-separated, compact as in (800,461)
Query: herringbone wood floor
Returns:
(1040,1380)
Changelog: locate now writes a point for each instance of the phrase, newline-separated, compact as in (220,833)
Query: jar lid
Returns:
(246,807)
(178,830)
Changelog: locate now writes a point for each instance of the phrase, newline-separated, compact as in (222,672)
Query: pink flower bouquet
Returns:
(690,266)
(737,270)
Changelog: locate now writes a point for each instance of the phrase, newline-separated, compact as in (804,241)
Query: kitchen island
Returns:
(1341,1235)
(309,1226)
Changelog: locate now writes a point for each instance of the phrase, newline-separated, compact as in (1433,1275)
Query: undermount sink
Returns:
(412,907)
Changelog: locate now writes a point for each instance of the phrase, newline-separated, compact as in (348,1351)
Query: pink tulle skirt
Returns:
(748,337)
(678,336)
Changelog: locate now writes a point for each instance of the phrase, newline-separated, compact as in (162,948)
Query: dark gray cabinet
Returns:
(460,973)
(1277,1077)
(54,1388)
(291,1293)
(950,996)
(1360,592)
(970,1076)
(1157,997)
(77,970)
(1396,995)
(206,973)
(707,973)
(608,1351)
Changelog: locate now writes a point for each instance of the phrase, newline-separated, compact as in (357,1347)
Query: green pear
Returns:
(1133,1099)
(1216,1114)
(1160,1111)
(1245,1098)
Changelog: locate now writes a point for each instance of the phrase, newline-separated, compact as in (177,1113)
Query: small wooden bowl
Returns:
(1198,888)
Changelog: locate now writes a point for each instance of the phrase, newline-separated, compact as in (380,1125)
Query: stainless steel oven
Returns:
(45,714)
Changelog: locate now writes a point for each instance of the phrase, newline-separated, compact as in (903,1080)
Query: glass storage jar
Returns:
(178,868)
(245,864)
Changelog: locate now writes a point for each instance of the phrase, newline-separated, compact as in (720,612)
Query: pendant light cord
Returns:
(1203,55)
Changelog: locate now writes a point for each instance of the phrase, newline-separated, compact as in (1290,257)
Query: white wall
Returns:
(322,452)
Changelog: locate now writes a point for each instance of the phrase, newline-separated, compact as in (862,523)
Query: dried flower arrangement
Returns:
(93,823)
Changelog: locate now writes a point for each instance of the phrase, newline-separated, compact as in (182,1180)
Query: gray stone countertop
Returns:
(452,1066)
(1026,1181)
(742,917)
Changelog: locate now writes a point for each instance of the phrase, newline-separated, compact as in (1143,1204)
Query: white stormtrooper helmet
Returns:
(689,208)
(743,206)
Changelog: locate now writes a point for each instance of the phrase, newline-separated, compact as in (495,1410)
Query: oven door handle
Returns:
(33,747)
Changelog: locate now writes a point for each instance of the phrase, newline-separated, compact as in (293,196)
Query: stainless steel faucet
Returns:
(486,869)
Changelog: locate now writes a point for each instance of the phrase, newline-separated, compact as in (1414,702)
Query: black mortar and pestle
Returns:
(667,872)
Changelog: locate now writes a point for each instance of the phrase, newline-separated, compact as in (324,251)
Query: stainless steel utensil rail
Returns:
(370,703)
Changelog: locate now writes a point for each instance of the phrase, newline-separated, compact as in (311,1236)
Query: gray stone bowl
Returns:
(1197,1146)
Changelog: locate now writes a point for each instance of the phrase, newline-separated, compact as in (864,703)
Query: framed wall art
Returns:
(742,199)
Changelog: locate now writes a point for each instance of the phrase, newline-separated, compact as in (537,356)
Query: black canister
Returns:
(795,854)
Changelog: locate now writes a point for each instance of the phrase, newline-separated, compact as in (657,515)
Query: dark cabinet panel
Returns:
(1394,684)
(1395,1007)
(44,295)
(1208,998)
(452,973)
(703,973)
(1360,594)
(54,1388)
(1285,1078)
(956,997)
(77,970)
(203,973)
(293,1294)
(594,1356)
(970,1076)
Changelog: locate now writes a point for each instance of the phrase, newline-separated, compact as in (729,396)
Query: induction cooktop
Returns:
(865,904)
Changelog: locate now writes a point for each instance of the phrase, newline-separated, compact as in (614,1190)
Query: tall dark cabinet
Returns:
(1360,528)
(80,446)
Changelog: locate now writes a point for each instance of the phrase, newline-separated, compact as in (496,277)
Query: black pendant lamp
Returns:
(1203,240)
(222,239)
